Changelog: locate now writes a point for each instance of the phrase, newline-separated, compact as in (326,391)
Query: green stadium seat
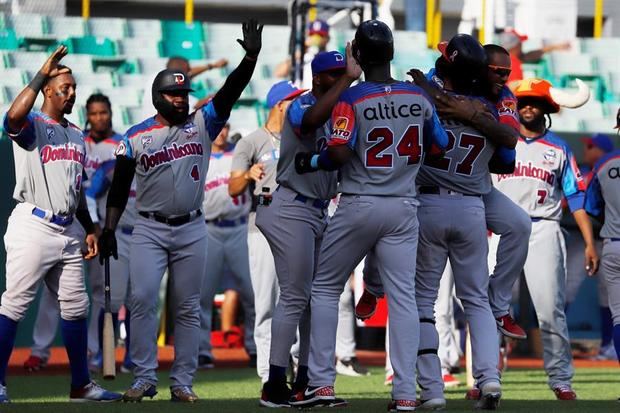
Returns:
(78,62)
(179,31)
(99,46)
(187,48)
(28,25)
(145,28)
(139,47)
(8,40)
(63,27)
(13,77)
(152,64)
(112,28)
(603,125)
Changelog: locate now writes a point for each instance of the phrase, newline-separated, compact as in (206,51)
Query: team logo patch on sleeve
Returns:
(340,128)
(508,106)
(121,149)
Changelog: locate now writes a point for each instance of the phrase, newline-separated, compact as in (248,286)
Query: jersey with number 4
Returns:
(603,194)
(387,126)
(545,171)
(172,161)
(465,166)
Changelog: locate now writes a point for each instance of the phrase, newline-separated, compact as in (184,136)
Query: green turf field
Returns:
(237,390)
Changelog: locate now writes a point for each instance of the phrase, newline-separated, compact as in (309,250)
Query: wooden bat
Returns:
(109,357)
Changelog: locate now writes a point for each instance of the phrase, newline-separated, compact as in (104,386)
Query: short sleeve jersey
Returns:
(218,203)
(603,194)
(388,127)
(172,161)
(319,185)
(99,168)
(545,171)
(507,109)
(259,146)
(49,163)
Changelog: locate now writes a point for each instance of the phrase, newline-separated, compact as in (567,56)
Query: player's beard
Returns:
(536,124)
(172,113)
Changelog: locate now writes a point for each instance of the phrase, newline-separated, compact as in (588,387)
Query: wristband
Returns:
(314,161)
(37,82)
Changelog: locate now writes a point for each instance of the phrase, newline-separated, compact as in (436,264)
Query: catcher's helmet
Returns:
(373,43)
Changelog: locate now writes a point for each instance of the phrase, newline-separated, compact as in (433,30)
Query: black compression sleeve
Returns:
(124,171)
(228,95)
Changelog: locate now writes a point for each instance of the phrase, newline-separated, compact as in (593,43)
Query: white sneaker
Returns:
(351,368)
(490,394)
(4,397)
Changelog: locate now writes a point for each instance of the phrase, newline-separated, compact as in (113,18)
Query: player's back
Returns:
(465,166)
(385,125)
(607,172)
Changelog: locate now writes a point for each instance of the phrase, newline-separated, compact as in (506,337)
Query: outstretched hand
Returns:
(52,66)
(252,32)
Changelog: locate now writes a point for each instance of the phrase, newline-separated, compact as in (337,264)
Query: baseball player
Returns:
(545,172)
(43,239)
(169,154)
(254,162)
(603,202)
(295,220)
(381,131)
(227,245)
(100,141)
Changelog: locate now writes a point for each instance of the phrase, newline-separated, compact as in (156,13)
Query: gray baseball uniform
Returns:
(546,172)
(386,126)
(43,240)
(260,147)
(293,225)
(453,226)
(227,245)
(171,167)
(603,200)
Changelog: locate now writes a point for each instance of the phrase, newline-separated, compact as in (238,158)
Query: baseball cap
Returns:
(511,38)
(282,91)
(319,27)
(601,141)
(326,61)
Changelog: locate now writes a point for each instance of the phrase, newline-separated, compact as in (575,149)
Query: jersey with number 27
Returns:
(388,127)
(545,171)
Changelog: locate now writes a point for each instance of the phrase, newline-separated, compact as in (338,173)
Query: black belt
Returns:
(614,239)
(174,221)
(316,203)
(218,222)
(434,190)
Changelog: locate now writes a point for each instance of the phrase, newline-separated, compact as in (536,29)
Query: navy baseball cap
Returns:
(319,27)
(326,61)
(600,141)
(282,91)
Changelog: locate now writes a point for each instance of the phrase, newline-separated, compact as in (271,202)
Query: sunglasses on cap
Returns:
(500,70)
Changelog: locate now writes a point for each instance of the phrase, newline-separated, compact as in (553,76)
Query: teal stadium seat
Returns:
(139,47)
(8,40)
(180,39)
(63,27)
(29,61)
(98,80)
(28,25)
(79,62)
(145,28)
(124,96)
(99,46)
(222,42)
(13,77)
(111,28)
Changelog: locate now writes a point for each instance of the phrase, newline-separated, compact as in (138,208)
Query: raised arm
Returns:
(196,70)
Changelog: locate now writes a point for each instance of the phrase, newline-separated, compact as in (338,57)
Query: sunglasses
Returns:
(500,70)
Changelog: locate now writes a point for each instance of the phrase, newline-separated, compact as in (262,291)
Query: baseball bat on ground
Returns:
(109,358)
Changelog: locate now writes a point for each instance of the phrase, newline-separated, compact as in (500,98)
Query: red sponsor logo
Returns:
(167,155)
(66,152)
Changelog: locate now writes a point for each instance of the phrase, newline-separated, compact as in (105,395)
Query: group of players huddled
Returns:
(422,169)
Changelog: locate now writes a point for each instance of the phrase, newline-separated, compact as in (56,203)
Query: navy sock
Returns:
(127,359)
(8,330)
(277,374)
(606,326)
(302,377)
(75,336)
(617,339)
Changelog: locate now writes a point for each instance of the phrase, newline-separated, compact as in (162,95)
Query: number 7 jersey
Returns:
(388,127)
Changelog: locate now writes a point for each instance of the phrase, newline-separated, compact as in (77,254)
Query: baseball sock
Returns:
(606,326)
(617,339)
(8,330)
(301,380)
(277,374)
(75,336)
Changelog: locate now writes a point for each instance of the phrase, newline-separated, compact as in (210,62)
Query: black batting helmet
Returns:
(463,52)
(373,43)
(169,80)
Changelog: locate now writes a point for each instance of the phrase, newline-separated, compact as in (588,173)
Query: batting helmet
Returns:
(373,43)
(463,60)
(169,80)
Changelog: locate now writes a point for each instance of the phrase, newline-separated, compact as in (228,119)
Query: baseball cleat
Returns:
(93,392)
(432,404)
(351,367)
(509,327)
(366,306)
(34,363)
(564,392)
(4,396)
(138,390)
(490,394)
(450,381)
(275,395)
(402,406)
(317,396)
(183,394)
